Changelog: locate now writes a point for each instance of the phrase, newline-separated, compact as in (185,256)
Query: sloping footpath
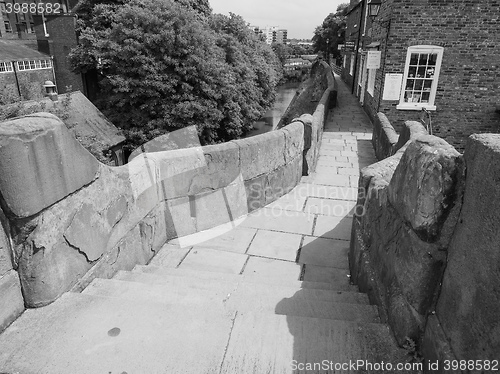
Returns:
(272,295)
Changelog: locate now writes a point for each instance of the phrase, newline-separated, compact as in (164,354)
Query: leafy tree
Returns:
(162,67)
(331,32)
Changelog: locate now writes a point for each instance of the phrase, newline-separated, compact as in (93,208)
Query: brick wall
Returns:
(467,92)
(61,39)
(30,84)
(352,35)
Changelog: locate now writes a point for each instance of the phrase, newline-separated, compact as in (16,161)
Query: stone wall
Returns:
(12,303)
(386,141)
(468,307)
(75,219)
(424,246)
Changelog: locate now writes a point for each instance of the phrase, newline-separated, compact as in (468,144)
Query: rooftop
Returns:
(14,51)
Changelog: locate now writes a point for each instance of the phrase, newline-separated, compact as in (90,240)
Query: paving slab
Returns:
(237,240)
(324,252)
(331,180)
(333,227)
(273,244)
(265,267)
(327,274)
(279,344)
(277,219)
(330,207)
(170,255)
(208,259)
(81,334)
(327,192)
(291,201)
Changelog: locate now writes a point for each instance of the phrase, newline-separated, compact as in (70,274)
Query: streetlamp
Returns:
(374,8)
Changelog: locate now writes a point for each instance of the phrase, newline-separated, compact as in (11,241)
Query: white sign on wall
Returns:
(373,59)
(392,86)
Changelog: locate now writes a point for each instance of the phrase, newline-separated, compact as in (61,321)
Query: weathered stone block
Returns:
(410,131)
(46,273)
(186,137)
(5,253)
(222,167)
(423,186)
(180,215)
(294,140)
(436,348)
(38,153)
(116,210)
(261,154)
(12,299)
(256,192)
(470,295)
(237,198)
(384,138)
(212,209)
(88,233)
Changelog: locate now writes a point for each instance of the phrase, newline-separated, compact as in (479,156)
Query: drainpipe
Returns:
(354,77)
(17,80)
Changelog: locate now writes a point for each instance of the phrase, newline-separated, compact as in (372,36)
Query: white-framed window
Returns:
(351,68)
(33,64)
(370,88)
(420,80)
(6,67)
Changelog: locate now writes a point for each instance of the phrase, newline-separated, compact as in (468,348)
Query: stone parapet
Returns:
(91,220)
(40,164)
(401,235)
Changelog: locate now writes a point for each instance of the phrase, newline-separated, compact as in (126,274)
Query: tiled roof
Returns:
(14,51)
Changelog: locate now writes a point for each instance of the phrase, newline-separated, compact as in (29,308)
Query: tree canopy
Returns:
(165,65)
(331,32)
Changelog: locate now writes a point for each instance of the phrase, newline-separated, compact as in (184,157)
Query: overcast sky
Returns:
(299,17)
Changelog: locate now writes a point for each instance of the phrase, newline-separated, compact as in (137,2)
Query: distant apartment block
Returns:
(271,34)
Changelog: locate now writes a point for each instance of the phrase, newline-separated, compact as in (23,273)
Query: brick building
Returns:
(23,72)
(53,35)
(439,55)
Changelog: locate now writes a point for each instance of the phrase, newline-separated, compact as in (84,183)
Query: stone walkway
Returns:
(272,295)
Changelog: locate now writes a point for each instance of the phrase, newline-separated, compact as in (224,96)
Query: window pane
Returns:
(421,72)
(419,84)
(32,64)
(423,59)
(427,84)
(412,72)
(432,59)
(409,84)
(414,59)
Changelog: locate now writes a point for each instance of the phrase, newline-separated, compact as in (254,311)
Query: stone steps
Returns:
(340,281)
(268,296)
(83,333)
(242,297)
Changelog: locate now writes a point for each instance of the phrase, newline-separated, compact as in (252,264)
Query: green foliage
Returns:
(331,33)
(165,65)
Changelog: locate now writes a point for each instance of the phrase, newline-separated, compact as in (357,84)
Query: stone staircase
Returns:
(271,295)
(162,318)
